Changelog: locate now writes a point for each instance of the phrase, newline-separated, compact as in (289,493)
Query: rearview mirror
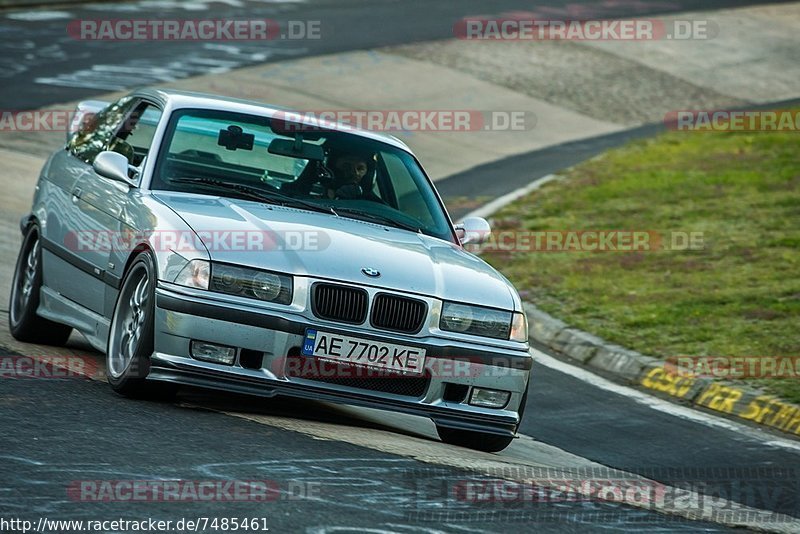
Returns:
(113,166)
(473,230)
(296,148)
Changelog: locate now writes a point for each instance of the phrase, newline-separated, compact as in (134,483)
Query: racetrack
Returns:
(343,469)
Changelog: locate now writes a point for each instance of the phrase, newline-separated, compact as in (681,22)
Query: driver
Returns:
(350,177)
(349,170)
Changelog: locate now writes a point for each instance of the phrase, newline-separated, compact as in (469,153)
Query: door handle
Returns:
(76,194)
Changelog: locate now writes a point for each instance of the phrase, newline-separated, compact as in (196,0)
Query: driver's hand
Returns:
(349,192)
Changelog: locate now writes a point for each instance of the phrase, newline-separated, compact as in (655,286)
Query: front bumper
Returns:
(276,337)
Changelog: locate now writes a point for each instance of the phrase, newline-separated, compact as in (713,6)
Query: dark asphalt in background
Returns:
(30,50)
(468,190)
(59,432)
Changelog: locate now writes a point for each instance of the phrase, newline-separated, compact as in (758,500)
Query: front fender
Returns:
(151,225)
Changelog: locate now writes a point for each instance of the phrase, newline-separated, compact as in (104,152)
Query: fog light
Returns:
(208,352)
(489,398)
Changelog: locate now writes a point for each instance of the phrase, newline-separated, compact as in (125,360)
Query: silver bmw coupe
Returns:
(218,243)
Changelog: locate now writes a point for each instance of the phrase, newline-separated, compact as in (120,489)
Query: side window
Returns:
(409,198)
(134,138)
(96,134)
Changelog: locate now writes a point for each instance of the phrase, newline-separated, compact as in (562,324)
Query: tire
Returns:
(130,337)
(479,441)
(26,285)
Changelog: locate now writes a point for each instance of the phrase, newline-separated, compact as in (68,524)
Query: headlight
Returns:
(251,283)
(456,317)
(194,274)
(476,320)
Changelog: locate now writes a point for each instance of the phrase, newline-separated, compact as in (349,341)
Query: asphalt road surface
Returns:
(41,64)
(70,431)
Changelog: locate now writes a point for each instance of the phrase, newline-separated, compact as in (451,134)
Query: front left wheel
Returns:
(23,322)
(130,340)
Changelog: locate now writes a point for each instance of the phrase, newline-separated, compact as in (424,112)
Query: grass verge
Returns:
(738,295)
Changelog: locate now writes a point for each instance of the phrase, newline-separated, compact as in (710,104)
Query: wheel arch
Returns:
(137,250)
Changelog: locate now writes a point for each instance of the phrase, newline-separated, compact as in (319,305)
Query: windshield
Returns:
(247,156)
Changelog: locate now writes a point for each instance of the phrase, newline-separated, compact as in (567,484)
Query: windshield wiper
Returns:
(381,219)
(255,193)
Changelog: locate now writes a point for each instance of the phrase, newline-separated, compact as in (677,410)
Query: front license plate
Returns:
(364,352)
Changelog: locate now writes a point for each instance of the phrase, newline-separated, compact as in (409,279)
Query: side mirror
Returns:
(113,166)
(473,230)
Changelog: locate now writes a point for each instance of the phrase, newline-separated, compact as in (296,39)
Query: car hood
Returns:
(319,245)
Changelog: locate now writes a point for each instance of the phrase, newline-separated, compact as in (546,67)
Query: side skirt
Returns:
(57,308)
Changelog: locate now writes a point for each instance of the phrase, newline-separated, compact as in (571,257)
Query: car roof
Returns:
(176,99)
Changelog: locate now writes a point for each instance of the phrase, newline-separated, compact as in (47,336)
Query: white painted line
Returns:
(39,15)
(77,81)
(664,406)
(487,209)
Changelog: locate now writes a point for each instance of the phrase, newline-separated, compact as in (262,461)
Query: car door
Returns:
(65,225)
(102,203)
(89,223)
